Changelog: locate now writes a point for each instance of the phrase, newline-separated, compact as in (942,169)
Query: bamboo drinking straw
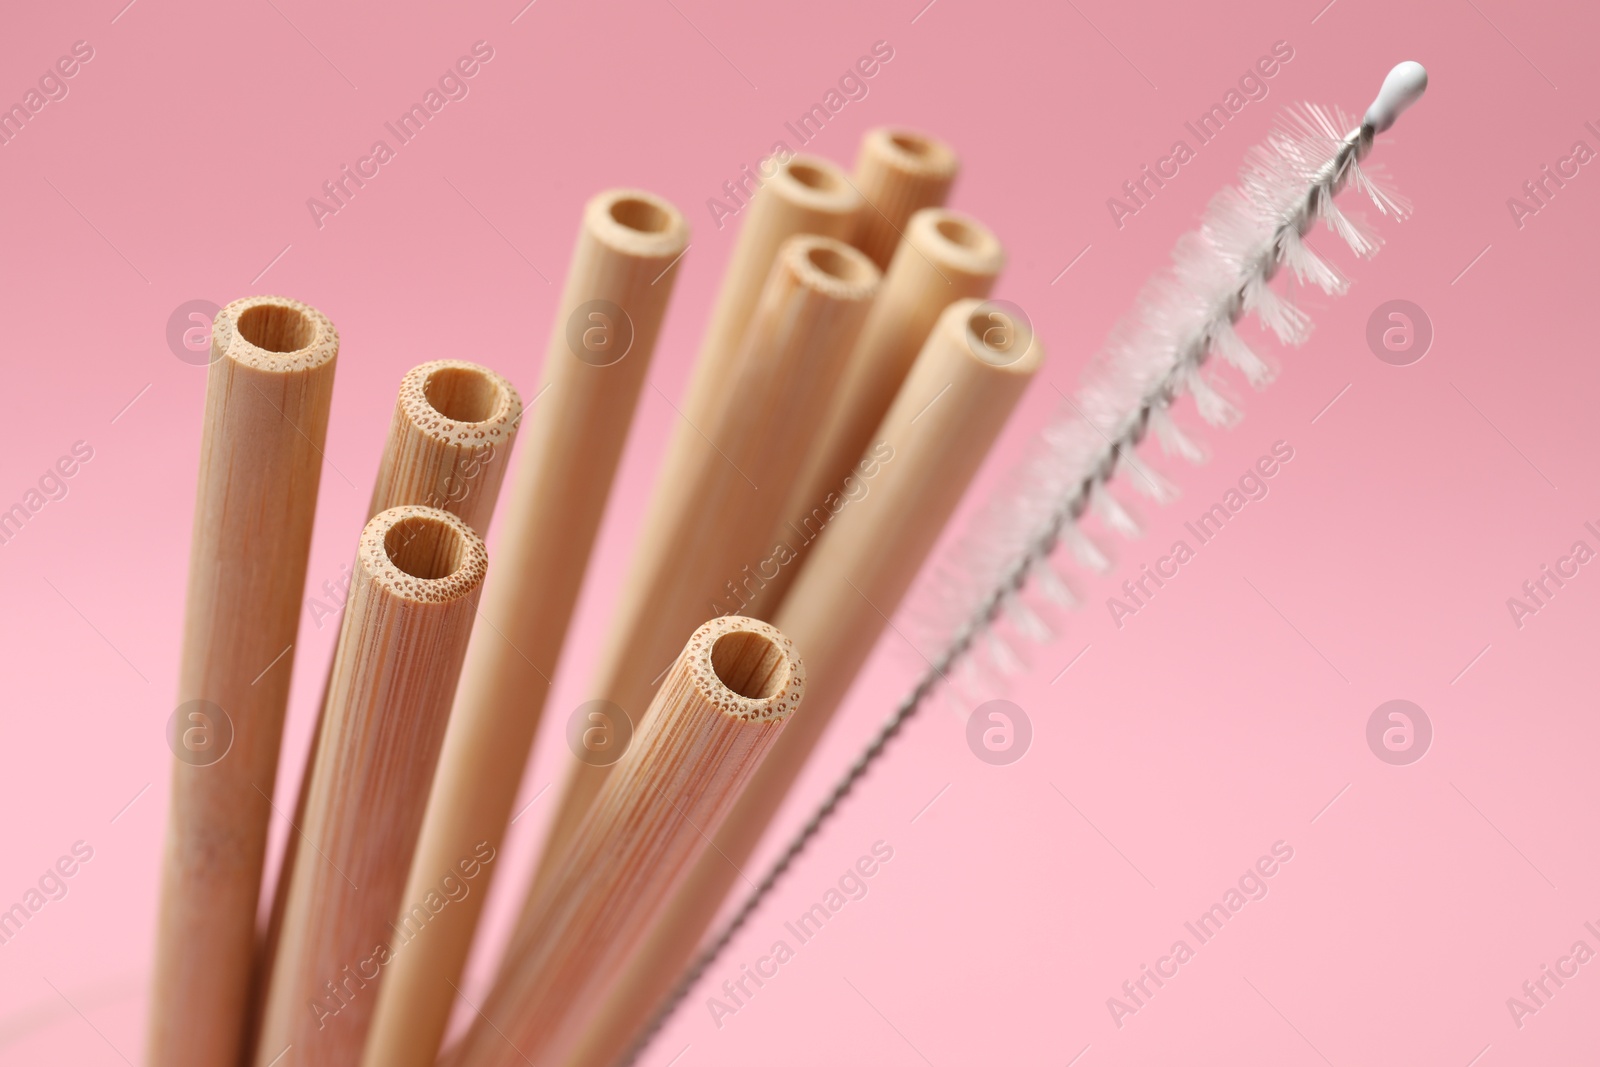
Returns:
(721,707)
(448,447)
(417,578)
(946,416)
(266,417)
(705,544)
(808,194)
(898,172)
(945,257)
(449,442)
(618,284)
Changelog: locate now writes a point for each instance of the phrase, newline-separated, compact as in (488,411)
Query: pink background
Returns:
(1217,721)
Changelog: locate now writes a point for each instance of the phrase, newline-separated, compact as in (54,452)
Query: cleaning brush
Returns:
(1220,272)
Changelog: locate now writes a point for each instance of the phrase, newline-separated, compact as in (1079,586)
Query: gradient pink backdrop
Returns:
(1176,750)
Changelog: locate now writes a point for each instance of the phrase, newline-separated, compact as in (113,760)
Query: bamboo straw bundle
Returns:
(970,374)
(268,392)
(732,690)
(794,353)
(623,270)
(417,579)
(724,484)
(448,446)
(944,257)
(898,173)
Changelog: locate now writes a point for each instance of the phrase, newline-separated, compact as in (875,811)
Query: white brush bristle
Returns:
(1173,441)
(1115,515)
(1276,312)
(1028,624)
(1146,480)
(1310,267)
(1083,547)
(1052,586)
(1226,342)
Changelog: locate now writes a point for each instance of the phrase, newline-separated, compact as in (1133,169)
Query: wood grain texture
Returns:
(722,706)
(619,282)
(268,391)
(944,257)
(448,447)
(418,575)
(898,173)
(724,484)
(807,194)
(946,416)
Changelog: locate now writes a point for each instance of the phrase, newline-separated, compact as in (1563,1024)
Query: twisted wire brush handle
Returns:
(1402,87)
